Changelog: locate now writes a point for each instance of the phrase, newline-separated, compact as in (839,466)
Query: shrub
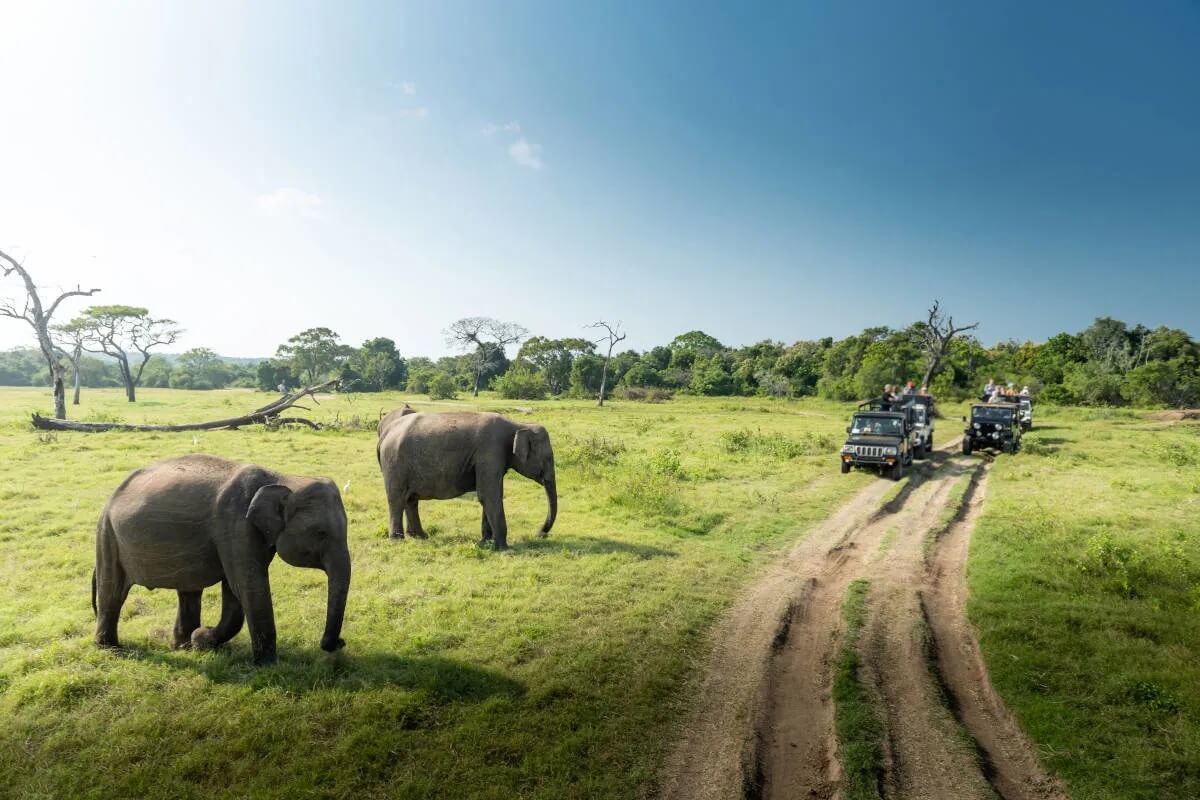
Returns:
(647,394)
(591,451)
(521,384)
(667,464)
(442,387)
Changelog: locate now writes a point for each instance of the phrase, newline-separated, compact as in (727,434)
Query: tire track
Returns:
(720,753)
(1008,758)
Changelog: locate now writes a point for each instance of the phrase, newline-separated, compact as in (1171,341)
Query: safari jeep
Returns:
(1025,412)
(922,405)
(992,425)
(881,437)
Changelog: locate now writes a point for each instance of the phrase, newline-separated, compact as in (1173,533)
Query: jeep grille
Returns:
(869,451)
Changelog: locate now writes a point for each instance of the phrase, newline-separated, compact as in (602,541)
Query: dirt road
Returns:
(764,728)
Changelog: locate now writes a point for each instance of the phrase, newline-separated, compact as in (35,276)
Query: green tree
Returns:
(553,359)
(687,347)
(201,368)
(126,334)
(442,387)
(377,366)
(313,354)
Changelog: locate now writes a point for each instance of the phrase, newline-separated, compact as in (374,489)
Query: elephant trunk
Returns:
(337,568)
(552,499)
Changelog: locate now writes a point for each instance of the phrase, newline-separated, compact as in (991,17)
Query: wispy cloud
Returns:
(420,112)
(408,87)
(526,153)
(520,149)
(289,202)
(491,128)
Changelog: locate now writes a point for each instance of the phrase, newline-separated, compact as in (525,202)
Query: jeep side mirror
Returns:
(847,429)
(964,419)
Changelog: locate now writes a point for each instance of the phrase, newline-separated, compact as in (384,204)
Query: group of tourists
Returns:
(894,392)
(995,393)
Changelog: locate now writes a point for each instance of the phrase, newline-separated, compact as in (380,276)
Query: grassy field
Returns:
(555,670)
(561,668)
(1085,588)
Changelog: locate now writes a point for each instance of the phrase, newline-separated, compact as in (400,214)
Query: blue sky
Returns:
(756,171)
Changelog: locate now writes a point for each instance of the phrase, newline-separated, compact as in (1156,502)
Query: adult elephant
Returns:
(191,522)
(437,456)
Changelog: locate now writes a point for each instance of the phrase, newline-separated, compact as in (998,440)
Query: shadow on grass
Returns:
(590,545)
(305,671)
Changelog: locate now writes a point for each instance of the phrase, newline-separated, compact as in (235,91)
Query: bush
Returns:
(442,387)
(646,394)
(521,384)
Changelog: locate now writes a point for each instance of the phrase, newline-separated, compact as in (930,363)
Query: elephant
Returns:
(194,521)
(438,456)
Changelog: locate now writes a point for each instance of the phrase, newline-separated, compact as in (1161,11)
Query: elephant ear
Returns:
(268,511)
(522,441)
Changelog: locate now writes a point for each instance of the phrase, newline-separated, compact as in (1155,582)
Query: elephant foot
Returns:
(396,536)
(418,534)
(543,533)
(332,645)
(203,639)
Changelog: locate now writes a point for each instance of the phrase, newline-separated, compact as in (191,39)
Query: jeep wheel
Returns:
(922,451)
(966,445)
(898,470)
(845,467)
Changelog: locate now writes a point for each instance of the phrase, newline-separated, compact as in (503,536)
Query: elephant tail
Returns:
(94,611)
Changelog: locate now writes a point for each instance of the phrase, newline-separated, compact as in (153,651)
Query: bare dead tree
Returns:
(935,337)
(268,415)
(485,338)
(39,317)
(612,337)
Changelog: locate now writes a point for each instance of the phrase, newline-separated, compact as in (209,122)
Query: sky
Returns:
(785,171)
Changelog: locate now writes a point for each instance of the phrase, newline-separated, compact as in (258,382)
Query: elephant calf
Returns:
(434,456)
(190,522)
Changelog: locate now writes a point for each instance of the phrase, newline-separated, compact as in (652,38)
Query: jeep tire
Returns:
(898,469)
(846,467)
(966,445)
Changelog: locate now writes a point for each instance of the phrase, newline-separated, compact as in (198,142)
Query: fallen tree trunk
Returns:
(267,415)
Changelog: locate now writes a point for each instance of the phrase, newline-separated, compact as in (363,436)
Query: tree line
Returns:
(1108,363)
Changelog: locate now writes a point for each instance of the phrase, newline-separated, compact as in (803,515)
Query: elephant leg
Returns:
(491,496)
(110,588)
(397,498)
(255,599)
(188,618)
(414,520)
(486,528)
(232,618)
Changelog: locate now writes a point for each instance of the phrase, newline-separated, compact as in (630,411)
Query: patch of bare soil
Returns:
(1175,415)
(1008,757)
(765,729)
(719,754)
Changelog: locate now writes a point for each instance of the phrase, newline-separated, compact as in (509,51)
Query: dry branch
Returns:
(267,415)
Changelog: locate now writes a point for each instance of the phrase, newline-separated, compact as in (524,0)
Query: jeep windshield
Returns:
(873,425)
(986,414)
(919,414)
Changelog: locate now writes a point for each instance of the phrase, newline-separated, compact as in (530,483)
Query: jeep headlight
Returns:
(996,435)
(889,451)
(976,426)
(848,448)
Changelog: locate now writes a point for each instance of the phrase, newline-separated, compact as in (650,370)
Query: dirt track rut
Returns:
(764,728)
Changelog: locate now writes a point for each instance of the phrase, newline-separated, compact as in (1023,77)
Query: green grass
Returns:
(856,712)
(1085,588)
(561,668)
(557,670)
